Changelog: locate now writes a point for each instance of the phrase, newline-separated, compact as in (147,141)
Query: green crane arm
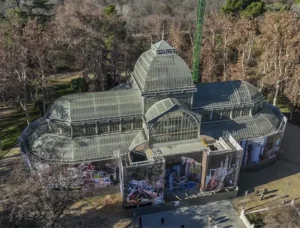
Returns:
(198,41)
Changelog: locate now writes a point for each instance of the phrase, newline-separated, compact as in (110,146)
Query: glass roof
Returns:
(162,45)
(57,148)
(96,106)
(162,107)
(225,94)
(160,68)
(244,127)
(138,140)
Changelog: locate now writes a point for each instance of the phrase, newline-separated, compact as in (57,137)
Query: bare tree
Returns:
(285,216)
(31,200)
(244,37)
(96,36)
(279,42)
(292,90)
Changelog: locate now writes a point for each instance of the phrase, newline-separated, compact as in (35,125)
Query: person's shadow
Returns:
(221,219)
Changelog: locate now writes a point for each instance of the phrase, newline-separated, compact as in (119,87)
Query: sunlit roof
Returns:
(225,94)
(160,68)
(244,127)
(96,106)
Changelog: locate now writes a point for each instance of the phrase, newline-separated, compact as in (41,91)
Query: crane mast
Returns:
(198,41)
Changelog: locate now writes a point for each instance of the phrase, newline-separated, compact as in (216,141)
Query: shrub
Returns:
(79,84)
(257,219)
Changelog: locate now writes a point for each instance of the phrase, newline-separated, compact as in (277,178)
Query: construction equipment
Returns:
(198,40)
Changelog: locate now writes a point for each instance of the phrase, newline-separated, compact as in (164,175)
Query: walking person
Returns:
(162,221)
(209,220)
(140,222)
(262,197)
(212,221)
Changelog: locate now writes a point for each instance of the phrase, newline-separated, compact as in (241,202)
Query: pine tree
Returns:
(42,10)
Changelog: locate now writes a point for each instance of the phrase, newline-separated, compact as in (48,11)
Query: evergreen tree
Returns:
(247,8)
(42,10)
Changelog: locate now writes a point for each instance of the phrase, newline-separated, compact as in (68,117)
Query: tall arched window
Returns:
(174,126)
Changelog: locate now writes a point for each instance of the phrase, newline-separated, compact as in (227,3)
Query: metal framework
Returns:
(61,149)
(90,128)
(161,69)
(244,127)
(97,106)
(163,106)
(230,94)
(174,126)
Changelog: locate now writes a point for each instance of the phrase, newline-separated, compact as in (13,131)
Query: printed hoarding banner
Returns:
(222,170)
(253,150)
(89,176)
(143,184)
(183,174)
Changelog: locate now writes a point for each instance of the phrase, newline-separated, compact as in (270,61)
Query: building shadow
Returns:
(287,164)
(223,221)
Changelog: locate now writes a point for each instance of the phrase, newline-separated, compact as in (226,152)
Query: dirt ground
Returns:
(102,211)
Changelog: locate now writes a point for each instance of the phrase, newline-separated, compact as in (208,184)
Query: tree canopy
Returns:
(246,8)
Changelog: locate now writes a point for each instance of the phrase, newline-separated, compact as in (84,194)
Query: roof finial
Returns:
(163,36)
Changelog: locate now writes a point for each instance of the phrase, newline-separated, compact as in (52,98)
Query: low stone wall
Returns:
(245,220)
(182,203)
(260,165)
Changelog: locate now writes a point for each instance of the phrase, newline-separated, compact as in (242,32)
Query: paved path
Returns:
(274,177)
(196,217)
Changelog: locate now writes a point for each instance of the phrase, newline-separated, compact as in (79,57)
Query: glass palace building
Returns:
(159,133)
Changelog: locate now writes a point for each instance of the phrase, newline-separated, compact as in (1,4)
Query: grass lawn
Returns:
(283,102)
(13,122)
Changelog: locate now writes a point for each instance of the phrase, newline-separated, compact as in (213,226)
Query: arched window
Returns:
(205,116)
(103,127)
(127,124)
(217,114)
(115,126)
(90,129)
(226,114)
(174,126)
(78,130)
(236,113)
(137,123)
(246,111)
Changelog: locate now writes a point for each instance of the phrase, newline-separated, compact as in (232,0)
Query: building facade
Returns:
(159,133)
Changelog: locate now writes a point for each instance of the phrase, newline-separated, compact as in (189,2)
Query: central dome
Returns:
(161,69)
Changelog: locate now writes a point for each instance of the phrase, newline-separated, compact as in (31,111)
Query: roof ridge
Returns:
(244,82)
(160,45)
(235,92)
